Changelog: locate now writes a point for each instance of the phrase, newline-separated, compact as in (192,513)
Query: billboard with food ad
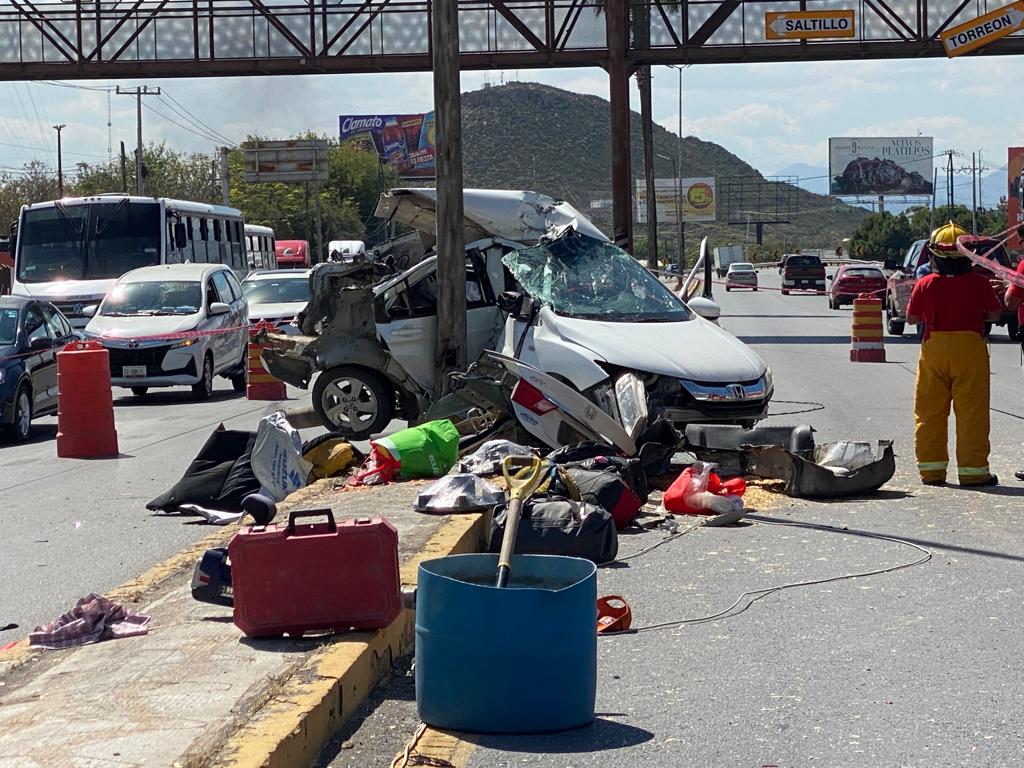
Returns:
(1015,193)
(698,199)
(880,166)
(404,142)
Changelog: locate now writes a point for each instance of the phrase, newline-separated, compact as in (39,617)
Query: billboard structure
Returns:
(285,161)
(404,142)
(898,165)
(699,200)
(1015,192)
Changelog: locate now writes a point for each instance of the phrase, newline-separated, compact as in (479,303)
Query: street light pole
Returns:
(681,258)
(60,161)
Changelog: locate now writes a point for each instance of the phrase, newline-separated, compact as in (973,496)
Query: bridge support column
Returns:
(616,29)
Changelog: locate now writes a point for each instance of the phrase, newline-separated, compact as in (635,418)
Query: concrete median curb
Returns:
(299,717)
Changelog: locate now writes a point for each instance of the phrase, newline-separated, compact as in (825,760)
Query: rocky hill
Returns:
(533,136)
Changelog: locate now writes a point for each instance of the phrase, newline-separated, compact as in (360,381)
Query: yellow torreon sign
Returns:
(799,25)
(984,29)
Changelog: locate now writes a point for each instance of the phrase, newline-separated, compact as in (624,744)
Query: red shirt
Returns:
(1018,293)
(949,303)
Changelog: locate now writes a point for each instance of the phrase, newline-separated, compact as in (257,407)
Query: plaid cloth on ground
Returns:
(94,618)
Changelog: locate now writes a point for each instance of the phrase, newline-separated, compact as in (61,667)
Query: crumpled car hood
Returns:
(694,349)
(523,217)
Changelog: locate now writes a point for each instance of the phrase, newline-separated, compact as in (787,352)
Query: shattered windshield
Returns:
(579,276)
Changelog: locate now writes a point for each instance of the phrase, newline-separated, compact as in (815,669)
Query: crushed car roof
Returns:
(521,216)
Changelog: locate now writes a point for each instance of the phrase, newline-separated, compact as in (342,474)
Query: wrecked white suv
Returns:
(543,285)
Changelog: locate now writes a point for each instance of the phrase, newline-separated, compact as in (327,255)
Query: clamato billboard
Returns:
(894,165)
(404,142)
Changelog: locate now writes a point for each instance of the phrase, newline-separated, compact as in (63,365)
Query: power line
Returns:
(198,121)
(182,125)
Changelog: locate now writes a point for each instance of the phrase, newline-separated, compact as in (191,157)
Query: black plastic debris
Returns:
(834,470)
(726,445)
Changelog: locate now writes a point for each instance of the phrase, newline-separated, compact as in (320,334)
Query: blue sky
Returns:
(771,115)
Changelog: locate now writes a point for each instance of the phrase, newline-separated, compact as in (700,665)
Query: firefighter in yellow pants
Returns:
(954,303)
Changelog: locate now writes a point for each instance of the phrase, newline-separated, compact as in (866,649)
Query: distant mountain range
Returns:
(532,136)
(815,179)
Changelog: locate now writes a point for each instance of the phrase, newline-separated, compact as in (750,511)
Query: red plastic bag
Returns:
(699,491)
(379,468)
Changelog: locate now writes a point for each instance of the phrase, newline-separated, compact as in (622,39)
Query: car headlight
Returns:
(183,343)
(769,380)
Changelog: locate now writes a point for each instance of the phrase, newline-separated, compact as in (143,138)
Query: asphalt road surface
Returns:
(71,527)
(917,667)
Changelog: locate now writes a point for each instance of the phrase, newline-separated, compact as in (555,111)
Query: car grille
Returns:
(72,309)
(151,357)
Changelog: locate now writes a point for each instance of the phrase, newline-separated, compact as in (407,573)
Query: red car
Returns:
(851,280)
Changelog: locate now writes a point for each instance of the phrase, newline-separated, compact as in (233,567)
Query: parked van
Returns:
(345,250)
(174,325)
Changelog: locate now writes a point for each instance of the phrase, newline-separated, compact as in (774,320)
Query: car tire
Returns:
(140,391)
(892,325)
(353,401)
(1013,329)
(785,292)
(240,379)
(19,429)
(727,289)
(203,389)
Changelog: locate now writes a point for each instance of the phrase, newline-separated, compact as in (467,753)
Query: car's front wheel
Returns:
(140,391)
(353,401)
(20,427)
(892,325)
(203,389)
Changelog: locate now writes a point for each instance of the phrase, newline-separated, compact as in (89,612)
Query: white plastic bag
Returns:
(277,457)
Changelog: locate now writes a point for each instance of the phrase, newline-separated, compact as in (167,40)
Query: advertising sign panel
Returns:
(900,165)
(698,200)
(1014,192)
(404,142)
(289,161)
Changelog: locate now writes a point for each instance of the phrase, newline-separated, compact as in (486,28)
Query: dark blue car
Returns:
(31,332)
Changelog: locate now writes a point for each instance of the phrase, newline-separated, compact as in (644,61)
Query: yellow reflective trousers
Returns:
(953,366)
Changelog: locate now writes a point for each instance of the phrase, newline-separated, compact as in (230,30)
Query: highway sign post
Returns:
(803,25)
(983,30)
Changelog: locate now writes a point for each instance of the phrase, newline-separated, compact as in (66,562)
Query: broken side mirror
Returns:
(706,308)
(517,304)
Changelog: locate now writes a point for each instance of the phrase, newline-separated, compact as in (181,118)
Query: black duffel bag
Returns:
(551,525)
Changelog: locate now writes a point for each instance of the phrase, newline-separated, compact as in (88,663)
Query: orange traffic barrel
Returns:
(866,337)
(262,385)
(85,403)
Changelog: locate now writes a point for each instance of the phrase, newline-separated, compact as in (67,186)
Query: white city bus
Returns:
(260,249)
(71,251)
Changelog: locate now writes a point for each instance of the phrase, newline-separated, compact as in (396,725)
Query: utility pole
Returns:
(974,195)
(124,171)
(679,176)
(450,350)
(949,185)
(138,93)
(60,161)
(935,187)
(225,181)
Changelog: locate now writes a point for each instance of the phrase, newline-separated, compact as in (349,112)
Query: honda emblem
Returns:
(737,392)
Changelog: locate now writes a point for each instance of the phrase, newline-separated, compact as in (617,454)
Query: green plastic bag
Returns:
(428,450)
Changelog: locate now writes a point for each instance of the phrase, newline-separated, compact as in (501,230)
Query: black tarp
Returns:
(219,477)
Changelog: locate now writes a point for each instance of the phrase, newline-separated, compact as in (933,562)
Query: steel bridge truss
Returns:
(189,38)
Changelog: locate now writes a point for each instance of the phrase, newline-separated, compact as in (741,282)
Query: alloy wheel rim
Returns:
(24,414)
(348,402)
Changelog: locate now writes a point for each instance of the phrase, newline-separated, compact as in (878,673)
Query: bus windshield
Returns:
(87,241)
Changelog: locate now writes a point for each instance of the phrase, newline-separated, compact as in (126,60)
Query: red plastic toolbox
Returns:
(290,579)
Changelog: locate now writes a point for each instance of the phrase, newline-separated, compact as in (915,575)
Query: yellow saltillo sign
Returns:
(800,25)
(983,30)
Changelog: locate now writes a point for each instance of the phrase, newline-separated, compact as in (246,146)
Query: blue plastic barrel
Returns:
(517,660)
